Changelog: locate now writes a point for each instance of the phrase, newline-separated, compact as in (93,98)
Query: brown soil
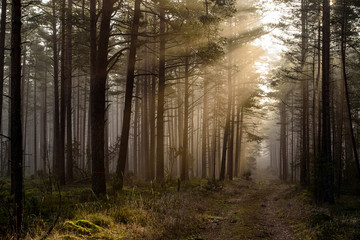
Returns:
(263,208)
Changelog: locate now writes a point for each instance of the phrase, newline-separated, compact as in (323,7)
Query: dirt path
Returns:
(250,210)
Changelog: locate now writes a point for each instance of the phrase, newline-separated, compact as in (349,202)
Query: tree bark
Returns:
(184,160)
(324,185)
(16,131)
(204,128)
(68,76)
(97,95)
(124,139)
(56,147)
(161,101)
(61,176)
(2,58)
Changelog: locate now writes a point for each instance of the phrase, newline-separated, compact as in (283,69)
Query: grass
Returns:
(141,211)
(146,210)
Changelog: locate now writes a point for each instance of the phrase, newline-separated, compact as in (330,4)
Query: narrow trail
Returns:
(253,210)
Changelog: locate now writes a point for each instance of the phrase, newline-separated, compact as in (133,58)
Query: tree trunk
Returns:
(161,101)
(136,126)
(35,124)
(124,140)
(2,58)
(305,109)
(97,95)
(44,124)
(56,147)
(184,160)
(68,76)
(204,128)
(324,168)
(61,149)
(283,144)
(227,127)
(16,131)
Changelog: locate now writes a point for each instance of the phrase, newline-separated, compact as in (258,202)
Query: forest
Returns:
(180,119)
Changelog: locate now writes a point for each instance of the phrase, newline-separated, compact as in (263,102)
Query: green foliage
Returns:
(211,52)
(101,220)
(70,226)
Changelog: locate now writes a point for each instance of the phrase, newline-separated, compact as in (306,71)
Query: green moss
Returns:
(70,226)
(89,225)
(101,220)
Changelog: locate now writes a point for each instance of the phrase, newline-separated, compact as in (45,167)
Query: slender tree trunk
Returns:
(136,125)
(145,122)
(124,140)
(324,185)
(68,76)
(161,101)
(35,125)
(203,132)
(304,115)
(62,100)
(16,131)
(2,57)
(231,140)
(238,140)
(227,127)
(23,81)
(283,144)
(97,95)
(184,162)
(56,147)
(44,125)
(106,140)
(152,127)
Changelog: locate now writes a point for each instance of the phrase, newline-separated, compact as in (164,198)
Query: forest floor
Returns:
(263,208)
(259,208)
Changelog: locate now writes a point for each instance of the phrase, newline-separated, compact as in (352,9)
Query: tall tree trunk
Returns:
(161,101)
(145,124)
(152,151)
(16,131)
(61,150)
(227,126)
(231,140)
(35,124)
(184,160)
(44,124)
(239,132)
(305,109)
(204,128)
(324,168)
(56,147)
(97,94)
(68,75)
(283,144)
(106,140)
(2,57)
(124,140)
(136,126)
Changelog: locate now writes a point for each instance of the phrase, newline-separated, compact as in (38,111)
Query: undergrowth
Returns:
(141,211)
